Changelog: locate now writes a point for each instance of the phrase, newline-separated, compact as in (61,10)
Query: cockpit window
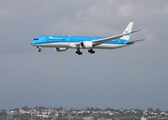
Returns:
(35,38)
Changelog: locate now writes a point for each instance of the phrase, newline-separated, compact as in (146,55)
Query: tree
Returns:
(158,110)
(3,113)
(25,108)
(150,109)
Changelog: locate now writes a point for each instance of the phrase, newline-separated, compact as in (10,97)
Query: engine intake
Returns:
(86,44)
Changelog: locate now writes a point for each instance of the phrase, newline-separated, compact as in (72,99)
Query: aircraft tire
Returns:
(39,50)
(80,53)
(93,52)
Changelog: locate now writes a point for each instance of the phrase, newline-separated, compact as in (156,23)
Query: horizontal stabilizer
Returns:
(138,40)
(133,41)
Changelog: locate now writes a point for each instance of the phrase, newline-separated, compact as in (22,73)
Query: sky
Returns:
(130,77)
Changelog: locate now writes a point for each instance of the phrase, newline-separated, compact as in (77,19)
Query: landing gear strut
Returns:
(91,51)
(78,52)
(39,49)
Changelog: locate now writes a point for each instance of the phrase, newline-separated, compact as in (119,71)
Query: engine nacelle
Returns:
(86,44)
(61,49)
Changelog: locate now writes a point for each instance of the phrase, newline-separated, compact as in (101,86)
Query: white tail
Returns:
(127,30)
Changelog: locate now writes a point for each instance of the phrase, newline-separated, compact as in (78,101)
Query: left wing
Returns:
(125,35)
(101,41)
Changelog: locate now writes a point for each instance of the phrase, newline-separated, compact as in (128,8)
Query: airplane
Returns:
(61,42)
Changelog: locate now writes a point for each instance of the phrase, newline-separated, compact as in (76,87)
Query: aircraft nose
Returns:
(32,42)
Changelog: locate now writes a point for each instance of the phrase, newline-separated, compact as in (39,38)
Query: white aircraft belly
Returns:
(110,46)
(68,45)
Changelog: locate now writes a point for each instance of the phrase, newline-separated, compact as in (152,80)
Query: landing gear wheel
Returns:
(39,50)
(91,51)
(78,52)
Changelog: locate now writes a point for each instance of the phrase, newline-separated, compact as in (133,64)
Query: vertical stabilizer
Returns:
(127,30)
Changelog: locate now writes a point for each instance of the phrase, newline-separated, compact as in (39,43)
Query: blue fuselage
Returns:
(67,41)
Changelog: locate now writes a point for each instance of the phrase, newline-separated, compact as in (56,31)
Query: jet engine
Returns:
(86,44)
(61,49)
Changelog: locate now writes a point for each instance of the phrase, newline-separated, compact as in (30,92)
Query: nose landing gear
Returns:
(39,49)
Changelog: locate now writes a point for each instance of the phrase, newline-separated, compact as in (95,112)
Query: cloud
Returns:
(60,76)
(165,9)
(130,10)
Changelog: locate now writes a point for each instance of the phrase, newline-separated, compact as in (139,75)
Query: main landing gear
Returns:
(91,51)
(78,52)
(39,49)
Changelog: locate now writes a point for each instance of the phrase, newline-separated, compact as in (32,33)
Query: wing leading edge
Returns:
(125,35)
(101,41)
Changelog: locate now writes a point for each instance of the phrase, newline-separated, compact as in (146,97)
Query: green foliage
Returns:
(3,113)
(65,114)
